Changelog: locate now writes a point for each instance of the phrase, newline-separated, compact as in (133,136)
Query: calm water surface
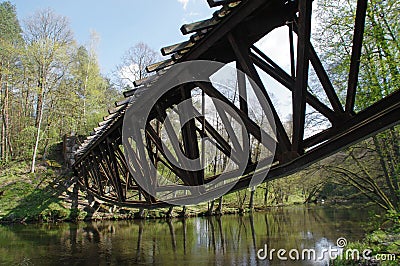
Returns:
(226,240)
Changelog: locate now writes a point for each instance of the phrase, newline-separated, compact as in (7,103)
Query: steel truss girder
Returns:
(233,39)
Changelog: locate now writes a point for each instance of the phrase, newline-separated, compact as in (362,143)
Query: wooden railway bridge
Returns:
(230,36)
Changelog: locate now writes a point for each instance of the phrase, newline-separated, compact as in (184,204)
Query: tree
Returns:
(377,159)
(134,63)
(358,168)
(49,84)
(91,87)
(10,39)
(48,37)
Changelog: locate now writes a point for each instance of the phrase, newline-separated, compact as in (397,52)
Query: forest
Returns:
(51,86)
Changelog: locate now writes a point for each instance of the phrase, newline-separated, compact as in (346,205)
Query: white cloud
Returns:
(184,3)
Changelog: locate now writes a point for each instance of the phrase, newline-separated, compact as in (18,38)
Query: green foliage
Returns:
(25,141)
(394,217)
(371,168)
(380,241)
(10,30)
(46,80)
(93,93)
(379,73)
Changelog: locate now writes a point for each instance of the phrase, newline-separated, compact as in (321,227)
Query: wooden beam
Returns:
(288,82)
(325,82)
(176,47)
(159,65)
(114,166)
(291,49)
(199,25)
(224,145)
(96,173)
(116,109)
(275,71)
(222,29)
(122,102)
(372,120)
(112,173)
(189,135)
(300,89)
(100,163)
(355,55)
(214,3)
(243,57)
(251,126)
(129,93)
(182,174)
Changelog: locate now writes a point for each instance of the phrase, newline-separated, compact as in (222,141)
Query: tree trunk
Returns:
(3,141)
(395,142)
(39,105)
(241,200)
(266,194)
(37,140)
(84,95)
(251,201)
(6,121)
(2,117)
(5,135)
(219,209)
(211,207)
(389,181)
(39,114)
(169,213)
(183,213)
(46,144)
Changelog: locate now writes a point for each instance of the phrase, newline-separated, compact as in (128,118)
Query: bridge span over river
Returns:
(195,129)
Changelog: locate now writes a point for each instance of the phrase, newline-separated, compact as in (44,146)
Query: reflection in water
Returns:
(220,240)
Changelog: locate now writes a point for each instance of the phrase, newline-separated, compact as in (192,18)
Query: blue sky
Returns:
(122,23)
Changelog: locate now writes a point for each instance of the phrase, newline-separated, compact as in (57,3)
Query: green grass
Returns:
(30,197)
(380,241)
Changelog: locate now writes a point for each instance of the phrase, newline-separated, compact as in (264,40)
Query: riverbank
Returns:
(48,196)
(380,247)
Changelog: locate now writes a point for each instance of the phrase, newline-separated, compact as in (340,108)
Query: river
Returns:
(225,240)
